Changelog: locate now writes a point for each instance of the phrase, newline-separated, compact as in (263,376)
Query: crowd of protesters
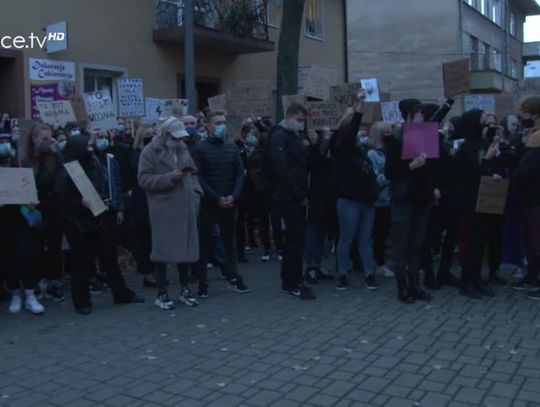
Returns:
(187,192)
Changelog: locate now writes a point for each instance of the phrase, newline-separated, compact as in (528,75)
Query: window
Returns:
(514,73)
(474,53)
(497,60)
(512,23)
(496,12)
(486,56)
(484,7)
(314,19)
(275,9)
(472,3)
(95,79)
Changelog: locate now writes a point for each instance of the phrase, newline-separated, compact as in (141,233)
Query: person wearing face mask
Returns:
(139,216)
(527,180)
(221,174)
(170,179)
(478,156)
(413,191)
(39,151)
(357,190)
(287,169)
(87,235)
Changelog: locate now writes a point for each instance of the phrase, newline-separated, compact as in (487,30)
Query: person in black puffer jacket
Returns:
(413,191)
(221,175)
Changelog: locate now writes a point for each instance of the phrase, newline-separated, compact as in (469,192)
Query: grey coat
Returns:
(173,207)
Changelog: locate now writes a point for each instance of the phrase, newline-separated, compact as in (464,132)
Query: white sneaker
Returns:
(16,303)
(265,258)
(42,289)
(209,266)
(385,272)
(163,302)
(32,304)
(187,298)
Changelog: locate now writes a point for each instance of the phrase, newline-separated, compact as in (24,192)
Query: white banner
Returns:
(131,97)
(99,110)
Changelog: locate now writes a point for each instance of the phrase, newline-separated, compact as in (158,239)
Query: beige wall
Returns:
(403,43)
(119,33)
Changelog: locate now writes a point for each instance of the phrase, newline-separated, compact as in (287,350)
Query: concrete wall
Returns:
(119,33)
(403,43)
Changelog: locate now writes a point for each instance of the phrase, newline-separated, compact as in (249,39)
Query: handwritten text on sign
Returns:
(131,97)
(17,186)
(59,112)
(100,111)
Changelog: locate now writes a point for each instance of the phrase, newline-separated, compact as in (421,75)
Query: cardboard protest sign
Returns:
(315,80)
(17,186)
(131,97)
(59,112)
(323,114)
(244,101)
(85,187)
(457,77)
(345,95)
(371,86)
(391,112)
(420,138)
(482,102)
(492,195)
(99,109)
(174,107)
(290,99)
(79,108)
(218,103)
(153,110)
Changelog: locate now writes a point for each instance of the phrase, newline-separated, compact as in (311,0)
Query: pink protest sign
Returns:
(420,138)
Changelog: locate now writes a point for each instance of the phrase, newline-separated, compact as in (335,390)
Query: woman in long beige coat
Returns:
(168,175)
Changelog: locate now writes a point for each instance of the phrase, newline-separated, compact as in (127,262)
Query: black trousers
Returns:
(84,249)
(276,218)
(381,231)
(485,231)
(226,219)
(52,256)
(161,275)
(451,222)
(294,216)
(142,247)
(261,213)
(408,231)
(22,248)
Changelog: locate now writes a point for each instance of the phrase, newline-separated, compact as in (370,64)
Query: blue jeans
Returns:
(355,220)
(314,245)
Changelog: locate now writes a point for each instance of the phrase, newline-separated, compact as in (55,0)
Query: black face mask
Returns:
(147,140)
(526,123)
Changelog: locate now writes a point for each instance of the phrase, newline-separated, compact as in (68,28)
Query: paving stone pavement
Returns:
(352,348)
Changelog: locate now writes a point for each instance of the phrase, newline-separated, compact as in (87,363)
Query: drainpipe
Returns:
(346,40)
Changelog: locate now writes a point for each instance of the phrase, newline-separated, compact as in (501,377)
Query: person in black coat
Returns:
(288,172)
(86,233)
(413,191)
(479,155)
(221,175)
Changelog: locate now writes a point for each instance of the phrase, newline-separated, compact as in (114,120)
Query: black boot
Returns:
(415,291)
(430,281)
(403,292)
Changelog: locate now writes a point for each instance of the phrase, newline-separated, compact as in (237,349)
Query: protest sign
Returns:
(59,112)
(99,109)
(85,187)
(245,101)
(77,104)
(492,195)
(174,107)
(371,87)
(315,80)
(345,95)
(391,112)
(482,102)
(323,114)
(130,97)
(457,77)
(290,99)
(17,186)
(50,81)
(218,103)
(153,110)
(420,138)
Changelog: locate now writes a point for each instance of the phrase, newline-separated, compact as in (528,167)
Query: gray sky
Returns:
(532,28)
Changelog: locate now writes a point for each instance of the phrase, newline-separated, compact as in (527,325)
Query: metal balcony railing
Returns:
(242,18)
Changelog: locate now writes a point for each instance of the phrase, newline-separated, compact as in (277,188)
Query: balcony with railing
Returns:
(232,26)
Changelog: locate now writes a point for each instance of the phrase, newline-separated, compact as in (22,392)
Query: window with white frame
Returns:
(100,79)
(484,7)
(512,25)
(474,53)
(486,56)
(275,10)
(514,73)
(314,19)
(496,12)
(497,60)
